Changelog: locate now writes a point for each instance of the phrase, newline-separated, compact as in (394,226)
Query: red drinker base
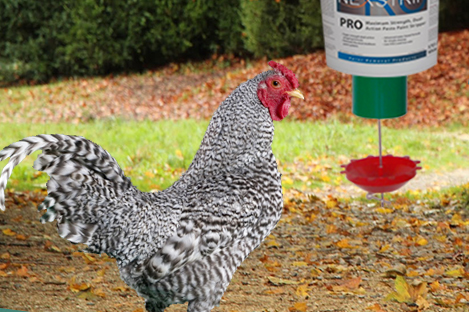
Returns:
(367,174)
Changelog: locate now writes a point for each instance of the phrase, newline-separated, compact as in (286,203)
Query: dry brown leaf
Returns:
(88,258)
(21,237)
(99,292)
(376,307)
(9,232)
(302,290)
(435,286)
(278,281)
(101,272)
(23,271)
(299,307)
(120,288)
(275,291)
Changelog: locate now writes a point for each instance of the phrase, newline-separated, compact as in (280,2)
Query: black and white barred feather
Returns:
(183,243)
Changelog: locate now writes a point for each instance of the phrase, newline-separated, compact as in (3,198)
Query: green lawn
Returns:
(154,154)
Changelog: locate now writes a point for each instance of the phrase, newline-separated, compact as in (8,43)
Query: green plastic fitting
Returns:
(379,98)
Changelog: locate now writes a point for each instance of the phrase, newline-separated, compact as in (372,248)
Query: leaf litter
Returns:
(325,253)
(437,96)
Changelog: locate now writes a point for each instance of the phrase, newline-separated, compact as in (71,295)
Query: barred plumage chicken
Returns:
(182,244)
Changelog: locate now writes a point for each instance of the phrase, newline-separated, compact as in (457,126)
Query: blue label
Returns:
(382,59)
(381,7)
(6,310)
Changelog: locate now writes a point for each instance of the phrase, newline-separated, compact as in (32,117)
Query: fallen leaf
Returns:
(21,237)
(278,281)
(421,241)
(23,271)
(376,307)
(298,307)
(5,256)
(402,291)
(120,288)
(88,258)
(99,292)
(458,272)
(302,290)
(77,287)
(275,291)
(8,232)
(101,272)
(435,286)
(87,295)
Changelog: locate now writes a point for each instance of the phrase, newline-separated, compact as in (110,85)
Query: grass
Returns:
(154,154)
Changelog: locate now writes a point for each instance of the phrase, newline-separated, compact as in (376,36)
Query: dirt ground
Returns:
(325,255)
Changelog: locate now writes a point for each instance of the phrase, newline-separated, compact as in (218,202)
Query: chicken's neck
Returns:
(238,140)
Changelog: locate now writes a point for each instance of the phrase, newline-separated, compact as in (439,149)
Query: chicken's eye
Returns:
(275,84)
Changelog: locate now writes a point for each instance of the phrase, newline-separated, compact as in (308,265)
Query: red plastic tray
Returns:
(395,172)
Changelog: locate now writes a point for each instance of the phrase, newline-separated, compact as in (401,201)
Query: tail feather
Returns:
(82,175)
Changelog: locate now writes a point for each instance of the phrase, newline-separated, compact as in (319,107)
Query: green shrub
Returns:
(280,28)
(41,39)
(454,14)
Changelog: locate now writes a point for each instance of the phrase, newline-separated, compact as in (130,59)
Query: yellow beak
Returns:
(296,93)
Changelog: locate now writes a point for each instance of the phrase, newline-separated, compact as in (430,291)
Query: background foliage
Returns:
(43,39)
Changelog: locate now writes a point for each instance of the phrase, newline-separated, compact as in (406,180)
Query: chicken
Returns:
(182,244)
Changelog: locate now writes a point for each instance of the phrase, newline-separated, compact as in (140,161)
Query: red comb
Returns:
(286,72)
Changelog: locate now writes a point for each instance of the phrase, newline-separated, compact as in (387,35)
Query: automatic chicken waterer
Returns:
(380,42)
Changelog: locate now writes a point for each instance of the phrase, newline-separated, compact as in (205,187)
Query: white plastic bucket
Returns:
(380,38)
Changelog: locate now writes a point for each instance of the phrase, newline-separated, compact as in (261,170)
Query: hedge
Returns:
(49,38)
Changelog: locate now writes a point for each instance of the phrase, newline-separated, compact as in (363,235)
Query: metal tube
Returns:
(380,151)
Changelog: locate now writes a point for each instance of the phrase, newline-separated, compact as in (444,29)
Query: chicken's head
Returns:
(276,90)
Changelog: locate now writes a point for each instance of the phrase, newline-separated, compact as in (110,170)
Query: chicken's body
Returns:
(181,244)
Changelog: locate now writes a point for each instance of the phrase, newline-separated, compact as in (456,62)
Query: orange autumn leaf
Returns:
(79,287)
(21,237)
(302,290)
(264,258)
(99,292)
(5,256)
(376,307)
(17,219)
(421,241)
(353,283)
(101,272)
(344,243)
(8,232)
(34,279)
(275,291)
(23,272)
(331,228)
(120,288)
(88,258)
(435,286)
(298,307)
